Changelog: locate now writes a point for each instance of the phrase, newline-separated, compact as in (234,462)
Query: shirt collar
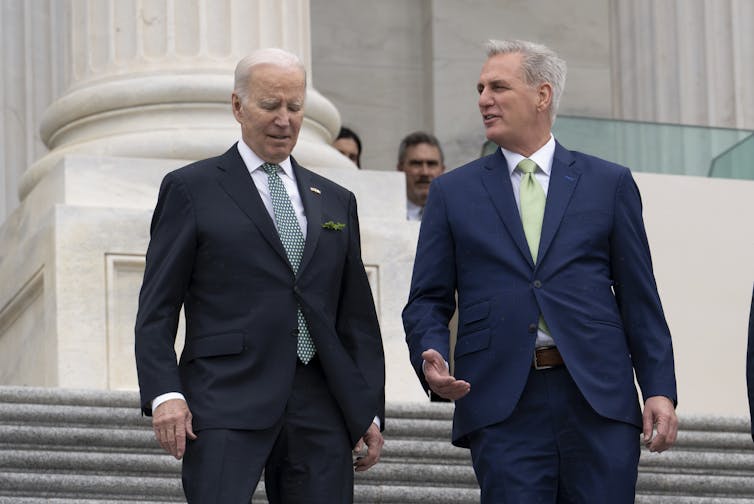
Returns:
(413,211)
(254,162)
(543,157)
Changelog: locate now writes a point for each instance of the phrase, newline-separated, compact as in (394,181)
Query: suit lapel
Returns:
(563,179)
(234,178)
(312,201)
(497,181)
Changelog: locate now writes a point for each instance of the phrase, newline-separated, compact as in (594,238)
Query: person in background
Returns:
(420,158)
(348,143)
(546,251)
(283,367)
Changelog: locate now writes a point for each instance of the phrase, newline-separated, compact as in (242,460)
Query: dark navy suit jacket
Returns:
(750,363)
(214,249)
(593,283)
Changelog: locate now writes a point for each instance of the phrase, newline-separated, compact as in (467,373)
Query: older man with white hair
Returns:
(283,366)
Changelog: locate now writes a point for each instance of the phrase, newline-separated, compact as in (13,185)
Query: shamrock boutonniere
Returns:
(335,226)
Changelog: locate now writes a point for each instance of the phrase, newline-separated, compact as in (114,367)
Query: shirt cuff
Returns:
(166,397)
(424,363)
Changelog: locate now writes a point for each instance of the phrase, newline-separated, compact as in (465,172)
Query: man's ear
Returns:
(544,92)
(399,167)
(235,101)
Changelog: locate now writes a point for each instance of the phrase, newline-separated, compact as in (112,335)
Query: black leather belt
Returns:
(546,357)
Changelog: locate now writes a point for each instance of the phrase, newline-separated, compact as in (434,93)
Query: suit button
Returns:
(537,284)
(296,291)
(532,328)
(294,333)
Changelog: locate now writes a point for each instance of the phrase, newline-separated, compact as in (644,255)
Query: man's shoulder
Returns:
(589,162)
(202,168)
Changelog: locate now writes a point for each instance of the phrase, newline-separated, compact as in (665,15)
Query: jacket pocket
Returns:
(474,313)
(472,342)
(617,323)
(213,346)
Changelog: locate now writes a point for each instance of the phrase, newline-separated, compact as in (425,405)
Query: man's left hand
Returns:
(660,424)
(373,441)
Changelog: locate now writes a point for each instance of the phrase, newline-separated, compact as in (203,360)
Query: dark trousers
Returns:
(306,456)
(555,449)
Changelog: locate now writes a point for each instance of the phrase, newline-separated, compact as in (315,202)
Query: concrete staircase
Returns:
(61,446)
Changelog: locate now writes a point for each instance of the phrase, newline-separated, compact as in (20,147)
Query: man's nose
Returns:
(485,98)
(282,118)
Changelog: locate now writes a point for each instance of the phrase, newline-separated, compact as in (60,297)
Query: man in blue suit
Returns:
(558,306)
(283,366)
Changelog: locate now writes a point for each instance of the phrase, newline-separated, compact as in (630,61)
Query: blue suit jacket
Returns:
(750,363)
(593,283)
(214,249)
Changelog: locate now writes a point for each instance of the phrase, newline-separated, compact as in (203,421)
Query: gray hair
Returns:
(540,64)
(416,138)
(270,55)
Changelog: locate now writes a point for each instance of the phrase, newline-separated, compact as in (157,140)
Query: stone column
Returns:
(152,79)
(687,62)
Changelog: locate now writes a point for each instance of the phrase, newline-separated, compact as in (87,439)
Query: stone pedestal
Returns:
(73,253)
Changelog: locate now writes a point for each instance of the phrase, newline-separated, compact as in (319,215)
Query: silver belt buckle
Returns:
(536,364)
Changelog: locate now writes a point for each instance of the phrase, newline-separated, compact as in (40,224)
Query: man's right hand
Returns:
(438,377)
(171,422)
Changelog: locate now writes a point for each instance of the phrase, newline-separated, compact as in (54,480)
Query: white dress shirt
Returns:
(543,157)
(413,211)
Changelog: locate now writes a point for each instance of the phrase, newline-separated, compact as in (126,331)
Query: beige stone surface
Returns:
(68,309)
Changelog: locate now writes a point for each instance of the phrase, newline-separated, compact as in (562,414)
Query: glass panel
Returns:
(737,162)
(659,148)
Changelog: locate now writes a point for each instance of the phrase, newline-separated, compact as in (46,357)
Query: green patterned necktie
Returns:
(293,243)
(533,199)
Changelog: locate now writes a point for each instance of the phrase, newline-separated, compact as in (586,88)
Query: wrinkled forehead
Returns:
(276,80)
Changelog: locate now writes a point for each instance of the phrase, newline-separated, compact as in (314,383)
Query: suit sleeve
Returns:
(644,322)
(169,263)
(431,300)
(357,323)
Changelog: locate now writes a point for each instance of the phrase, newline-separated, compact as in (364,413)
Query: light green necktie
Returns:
(533,199)
(293,243)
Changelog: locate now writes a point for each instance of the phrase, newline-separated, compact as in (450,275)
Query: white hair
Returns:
(270,55)
(540,64)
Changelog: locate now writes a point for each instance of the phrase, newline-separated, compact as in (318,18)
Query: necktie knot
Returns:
(527,166)
(270,168)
